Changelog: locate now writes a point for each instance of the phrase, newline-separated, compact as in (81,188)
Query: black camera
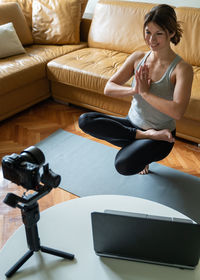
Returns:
(24,169)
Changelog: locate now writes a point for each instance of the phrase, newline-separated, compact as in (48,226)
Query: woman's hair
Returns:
(165,16)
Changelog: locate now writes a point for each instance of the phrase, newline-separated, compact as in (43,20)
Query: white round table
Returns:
(67,227)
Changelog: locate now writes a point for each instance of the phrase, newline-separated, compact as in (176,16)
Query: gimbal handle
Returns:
(14,200)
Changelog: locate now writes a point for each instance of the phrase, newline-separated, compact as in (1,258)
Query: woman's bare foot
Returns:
(145,170)
(164,135)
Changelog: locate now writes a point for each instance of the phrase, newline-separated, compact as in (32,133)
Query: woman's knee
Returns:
(124,167)
(82,120)
(121,167)
(129,161)
(87,121)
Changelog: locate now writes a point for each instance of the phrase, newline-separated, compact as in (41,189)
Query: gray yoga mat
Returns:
(87,168)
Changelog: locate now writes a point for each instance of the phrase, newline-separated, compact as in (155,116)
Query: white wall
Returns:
(187,3)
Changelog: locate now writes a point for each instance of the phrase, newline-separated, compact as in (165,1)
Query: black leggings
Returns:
(134,154)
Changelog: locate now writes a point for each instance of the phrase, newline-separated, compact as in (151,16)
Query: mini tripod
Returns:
(30,216)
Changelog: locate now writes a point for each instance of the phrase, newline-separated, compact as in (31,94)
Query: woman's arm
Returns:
(174,108)
(115,85)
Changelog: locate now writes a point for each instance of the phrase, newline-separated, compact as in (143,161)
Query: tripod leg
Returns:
(18,264)
(57,253)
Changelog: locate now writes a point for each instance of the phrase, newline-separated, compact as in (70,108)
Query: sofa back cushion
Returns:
(189,46)
(83,6)
(118,25)
(56,22)
(11,12)
(26,6)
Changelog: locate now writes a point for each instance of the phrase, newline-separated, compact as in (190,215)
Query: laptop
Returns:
(146,238)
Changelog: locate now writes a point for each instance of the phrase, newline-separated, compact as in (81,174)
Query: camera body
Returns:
(20,172)
(24,169)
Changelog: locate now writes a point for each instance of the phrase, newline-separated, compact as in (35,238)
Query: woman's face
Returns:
(156,38)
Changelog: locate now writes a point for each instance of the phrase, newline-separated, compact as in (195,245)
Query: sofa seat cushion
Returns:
(193,111)
(88,68)
(19,70)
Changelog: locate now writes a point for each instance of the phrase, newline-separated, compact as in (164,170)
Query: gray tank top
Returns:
(142,114)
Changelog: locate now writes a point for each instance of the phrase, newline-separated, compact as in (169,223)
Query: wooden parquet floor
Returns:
(38,122)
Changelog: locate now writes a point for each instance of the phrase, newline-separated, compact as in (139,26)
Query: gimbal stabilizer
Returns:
(30,216)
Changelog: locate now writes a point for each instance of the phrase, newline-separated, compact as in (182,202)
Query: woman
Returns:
(161,91)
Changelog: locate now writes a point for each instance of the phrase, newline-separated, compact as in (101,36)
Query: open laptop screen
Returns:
(152,239)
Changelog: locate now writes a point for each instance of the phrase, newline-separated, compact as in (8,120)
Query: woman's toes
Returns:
(145,170)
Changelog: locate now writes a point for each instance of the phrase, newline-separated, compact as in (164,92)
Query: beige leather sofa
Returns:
(23,77)
(78,73)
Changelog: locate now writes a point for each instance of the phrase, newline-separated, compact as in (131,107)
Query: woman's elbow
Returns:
(178,116)
(179,111)
(106,90)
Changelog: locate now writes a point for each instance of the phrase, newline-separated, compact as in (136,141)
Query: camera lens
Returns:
(34,155)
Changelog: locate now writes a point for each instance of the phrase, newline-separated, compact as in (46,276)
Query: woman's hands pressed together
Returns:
(143,80)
